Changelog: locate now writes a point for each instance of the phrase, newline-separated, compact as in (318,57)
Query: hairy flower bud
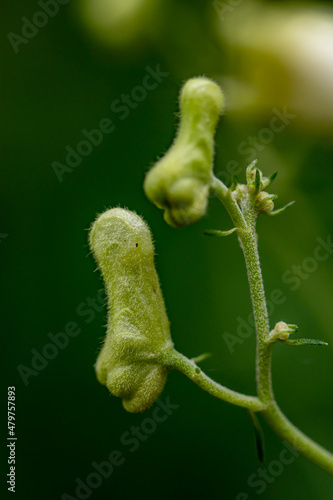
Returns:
(180,181)
(138,327)
(281,331)
(265,203)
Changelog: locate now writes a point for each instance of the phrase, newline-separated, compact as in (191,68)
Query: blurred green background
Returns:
(64,79)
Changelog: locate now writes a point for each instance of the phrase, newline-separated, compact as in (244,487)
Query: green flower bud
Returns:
(180,181)
(138,327)
(254,178)
(281,331)
(264,202)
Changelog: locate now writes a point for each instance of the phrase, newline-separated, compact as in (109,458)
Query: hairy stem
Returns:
(284,428)
(271,412)
(248,241)
(174,360)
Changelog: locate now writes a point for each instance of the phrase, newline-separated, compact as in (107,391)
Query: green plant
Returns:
(138,351)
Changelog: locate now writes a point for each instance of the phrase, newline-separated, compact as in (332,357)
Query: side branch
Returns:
(174,360)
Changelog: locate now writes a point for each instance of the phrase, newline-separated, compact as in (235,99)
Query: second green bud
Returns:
(180,181)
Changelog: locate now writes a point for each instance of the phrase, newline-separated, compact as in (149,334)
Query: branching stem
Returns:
(175,360)
(245,220)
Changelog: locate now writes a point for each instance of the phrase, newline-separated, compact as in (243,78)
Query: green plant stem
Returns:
(225,196)
(271,412)
(286,430)
(175,360)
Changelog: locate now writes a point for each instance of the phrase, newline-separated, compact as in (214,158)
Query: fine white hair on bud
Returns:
(281,331)
(138,327)
(180,181)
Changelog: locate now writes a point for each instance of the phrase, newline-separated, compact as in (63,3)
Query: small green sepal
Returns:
(257,181)
(280,210)
(250,172)
(216,232)
(254,179)
(234,182)
(303,342)
(201,357)
(267,181)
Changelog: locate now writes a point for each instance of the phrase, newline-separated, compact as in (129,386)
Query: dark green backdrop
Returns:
(56,86)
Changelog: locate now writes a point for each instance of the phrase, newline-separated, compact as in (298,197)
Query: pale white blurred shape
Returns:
(282,56)
(313,66)
(118,23)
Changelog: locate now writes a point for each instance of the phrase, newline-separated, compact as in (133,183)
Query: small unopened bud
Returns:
(180,181)
(264,202)
(254,178)
(281,331)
